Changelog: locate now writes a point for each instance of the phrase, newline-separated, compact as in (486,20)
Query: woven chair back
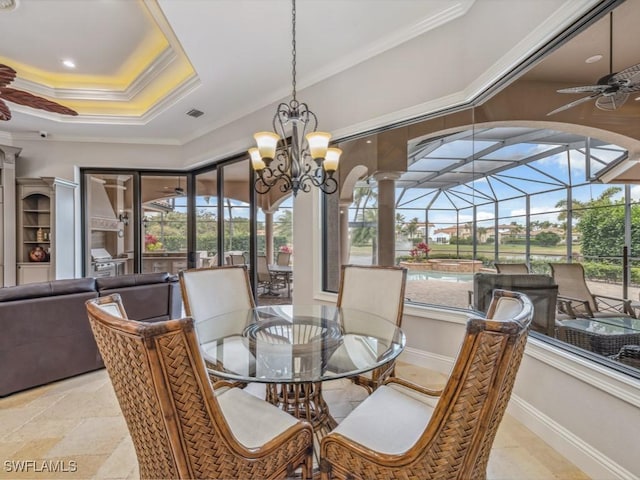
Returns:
(175,421)
(466,418)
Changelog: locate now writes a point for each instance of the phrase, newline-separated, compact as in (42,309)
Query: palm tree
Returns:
(412,227)
(399,224)
(576,209)
(283,225)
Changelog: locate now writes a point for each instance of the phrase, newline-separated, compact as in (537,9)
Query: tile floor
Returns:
(78,422)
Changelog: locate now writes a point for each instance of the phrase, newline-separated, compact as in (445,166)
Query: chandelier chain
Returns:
(295,157)
(293,49)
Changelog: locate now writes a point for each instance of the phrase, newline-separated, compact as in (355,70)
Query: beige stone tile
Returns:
(14,418)
(134,474)
(9,449)
(93,436)
(22,399)
(79,419)
(42,429)
(34,449)
(421,376)
(121,463)
(78,404)
(88,382)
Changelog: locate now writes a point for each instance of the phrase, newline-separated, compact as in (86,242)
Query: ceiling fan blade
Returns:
(7,75)
(573,104)
(634,87)
(630,73)
(5,113)
(611,102)
(585,89)
(29,100)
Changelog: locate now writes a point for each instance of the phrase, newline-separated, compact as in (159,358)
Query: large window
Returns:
(515,196)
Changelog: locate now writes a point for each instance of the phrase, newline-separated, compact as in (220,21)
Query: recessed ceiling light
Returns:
(8,4)
(637,98)
(593,59)
(69,63)
(368,141)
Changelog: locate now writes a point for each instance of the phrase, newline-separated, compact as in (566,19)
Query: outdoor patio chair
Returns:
(180,428)
(512,268)
(237,259)
(207,292)
(379,290)
(265,278)
(404,430)
(283,258)
(576,300)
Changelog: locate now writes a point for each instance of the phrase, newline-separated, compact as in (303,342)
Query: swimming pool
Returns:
(440,276)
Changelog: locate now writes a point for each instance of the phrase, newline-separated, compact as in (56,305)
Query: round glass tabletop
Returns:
(295,344)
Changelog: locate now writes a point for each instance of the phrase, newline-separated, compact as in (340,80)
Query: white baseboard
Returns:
(432,361)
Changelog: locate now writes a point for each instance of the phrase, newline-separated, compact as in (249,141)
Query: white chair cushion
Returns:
(253,421)
(507,308)
(216,291)
(372,290)
(388,421)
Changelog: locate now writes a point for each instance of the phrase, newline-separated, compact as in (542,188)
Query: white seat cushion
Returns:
(388,421)
(253,421)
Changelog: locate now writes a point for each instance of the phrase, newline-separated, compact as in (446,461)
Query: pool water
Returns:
(440,276)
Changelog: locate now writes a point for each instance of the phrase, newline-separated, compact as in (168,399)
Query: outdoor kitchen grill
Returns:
(102,263)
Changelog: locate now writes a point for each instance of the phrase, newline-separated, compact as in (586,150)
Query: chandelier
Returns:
(298,160)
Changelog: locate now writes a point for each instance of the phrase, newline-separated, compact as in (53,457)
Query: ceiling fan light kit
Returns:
(612,90)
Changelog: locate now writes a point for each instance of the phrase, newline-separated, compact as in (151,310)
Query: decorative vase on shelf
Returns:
(37,254)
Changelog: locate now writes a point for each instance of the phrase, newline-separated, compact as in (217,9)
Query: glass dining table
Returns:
(292,349)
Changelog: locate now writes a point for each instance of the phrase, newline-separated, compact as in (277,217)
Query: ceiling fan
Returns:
(7,75)
(176,191)
(612,90)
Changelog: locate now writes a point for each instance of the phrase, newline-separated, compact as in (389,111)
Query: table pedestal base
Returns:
(303,401)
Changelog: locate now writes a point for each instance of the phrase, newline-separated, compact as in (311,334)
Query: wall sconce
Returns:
(124,218)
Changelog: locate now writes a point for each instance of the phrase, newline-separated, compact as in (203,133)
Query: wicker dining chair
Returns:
(211,291)
(406,431)
(380,291)
(180,428)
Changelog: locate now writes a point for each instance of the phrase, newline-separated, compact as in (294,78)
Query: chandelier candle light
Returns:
(300,160)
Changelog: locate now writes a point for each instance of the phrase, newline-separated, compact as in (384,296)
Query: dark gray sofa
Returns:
(148,297)
(44,329)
